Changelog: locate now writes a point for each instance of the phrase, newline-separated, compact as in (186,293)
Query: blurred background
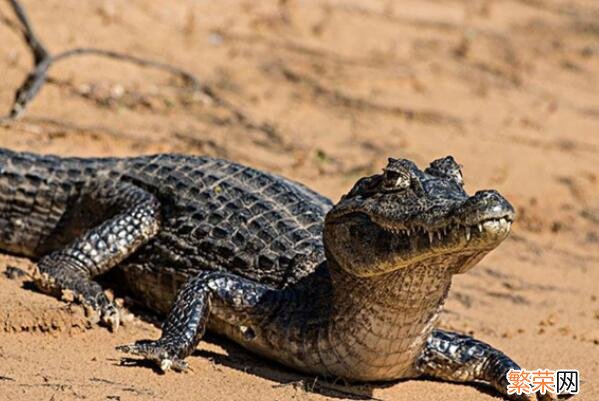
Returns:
(323,92)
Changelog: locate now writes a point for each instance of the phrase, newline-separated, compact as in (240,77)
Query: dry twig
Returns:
(43,60)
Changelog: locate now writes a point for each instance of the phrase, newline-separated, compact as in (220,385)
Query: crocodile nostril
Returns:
(489,194)
(490,202)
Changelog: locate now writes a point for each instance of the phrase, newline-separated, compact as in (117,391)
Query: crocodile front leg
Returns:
(68,272)
(225,296)
(461,358)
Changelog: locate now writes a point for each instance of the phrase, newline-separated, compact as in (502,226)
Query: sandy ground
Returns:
(329,90)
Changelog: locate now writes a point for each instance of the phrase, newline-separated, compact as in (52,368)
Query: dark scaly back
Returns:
(219,215)
(216,215)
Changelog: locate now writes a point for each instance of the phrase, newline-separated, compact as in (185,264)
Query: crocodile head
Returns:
(405,216)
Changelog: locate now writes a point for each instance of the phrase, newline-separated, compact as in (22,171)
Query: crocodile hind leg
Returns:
(221,295)
(68,272)
(461,358)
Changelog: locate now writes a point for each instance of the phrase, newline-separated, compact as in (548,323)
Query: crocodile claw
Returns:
(156,352)
(107,315)
(111,317)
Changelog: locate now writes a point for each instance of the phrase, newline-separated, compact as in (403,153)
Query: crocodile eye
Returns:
(396,180)
(446,168)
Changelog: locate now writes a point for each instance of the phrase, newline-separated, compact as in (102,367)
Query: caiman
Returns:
(349,290)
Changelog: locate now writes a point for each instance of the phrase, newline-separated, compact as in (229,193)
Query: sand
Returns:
(509,88)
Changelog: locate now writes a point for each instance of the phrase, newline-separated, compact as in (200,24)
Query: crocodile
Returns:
(350,290)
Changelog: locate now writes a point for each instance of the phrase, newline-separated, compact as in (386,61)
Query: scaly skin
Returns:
(352,290)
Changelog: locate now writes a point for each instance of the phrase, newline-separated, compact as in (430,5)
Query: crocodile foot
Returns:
(157,352)
(460,358)
(98,306)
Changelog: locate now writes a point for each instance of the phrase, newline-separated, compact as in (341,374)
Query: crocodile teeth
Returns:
(480,227)
(439,234)
(430,237)
(467,233)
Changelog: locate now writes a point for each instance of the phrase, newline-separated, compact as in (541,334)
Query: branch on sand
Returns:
(43,60)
